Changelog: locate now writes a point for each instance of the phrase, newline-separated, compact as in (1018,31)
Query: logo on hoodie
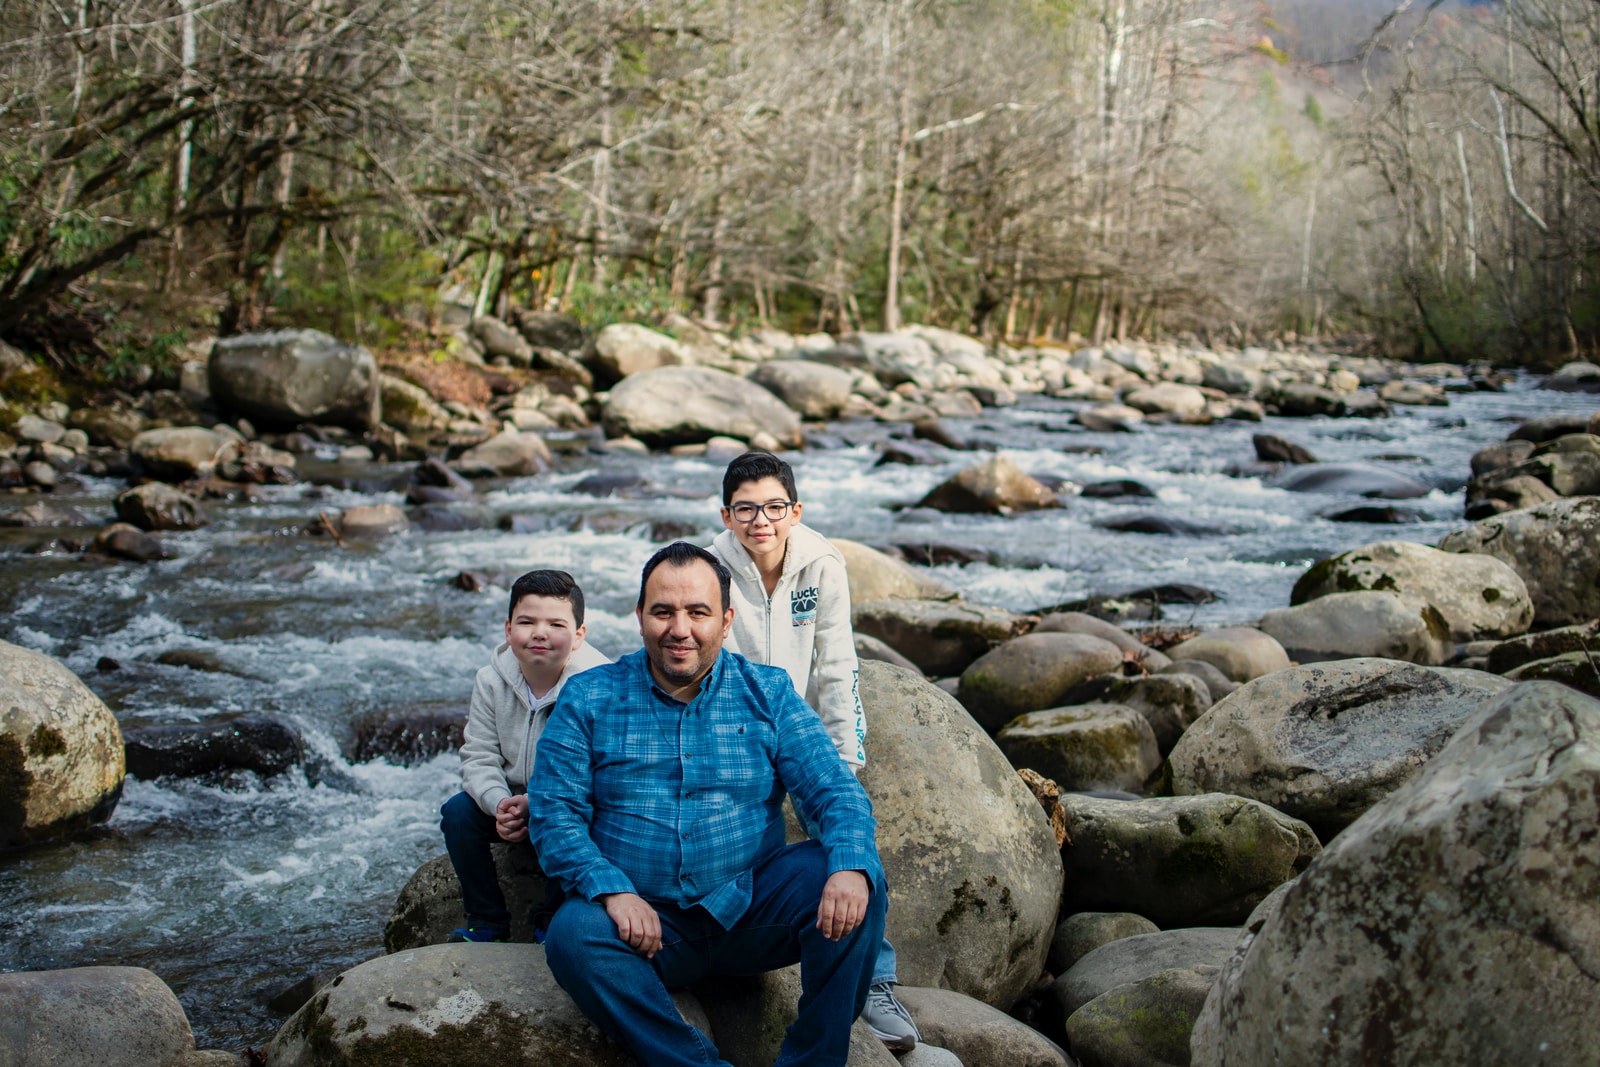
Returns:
(803,607)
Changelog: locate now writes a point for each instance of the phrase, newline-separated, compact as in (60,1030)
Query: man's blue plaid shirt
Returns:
(636,792)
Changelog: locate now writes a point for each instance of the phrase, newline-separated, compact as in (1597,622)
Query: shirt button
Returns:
(686,837)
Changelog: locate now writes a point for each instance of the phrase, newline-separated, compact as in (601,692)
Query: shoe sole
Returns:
(897,1042)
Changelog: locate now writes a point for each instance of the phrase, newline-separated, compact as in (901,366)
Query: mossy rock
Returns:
(1031,673)
(1577,669)
(1091,746)
(1142,1024)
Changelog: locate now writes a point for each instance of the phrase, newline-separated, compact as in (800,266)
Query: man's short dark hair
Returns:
(558,584)
(681,554)
(753,466)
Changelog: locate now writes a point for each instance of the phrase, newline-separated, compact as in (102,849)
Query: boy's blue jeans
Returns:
(468,833)
(625,995)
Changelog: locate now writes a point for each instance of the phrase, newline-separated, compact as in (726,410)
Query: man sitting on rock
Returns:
(656,800)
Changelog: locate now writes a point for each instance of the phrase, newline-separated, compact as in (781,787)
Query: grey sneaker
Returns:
(888,1019)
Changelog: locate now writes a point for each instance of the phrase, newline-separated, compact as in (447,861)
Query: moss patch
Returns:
(15,784)
(46,741)
(1194,860)
(1491,595)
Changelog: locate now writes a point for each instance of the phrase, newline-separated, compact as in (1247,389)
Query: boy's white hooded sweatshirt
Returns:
(803,627)
(503,730)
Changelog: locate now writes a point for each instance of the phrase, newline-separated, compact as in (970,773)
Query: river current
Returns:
(232,892)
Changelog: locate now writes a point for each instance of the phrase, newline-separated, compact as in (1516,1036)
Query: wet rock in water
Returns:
(1458,921)
(611,483)
(1180,861)
(61,760)
(39,474)
(1324,743)
(264,744)
(1554,547)
(995,486)
(868,647)
(814,390)
(123,540)
(977,1034)
(665,531)
(931,555)
(33,429)
(434,472)
(1086,747)
(257,463)
(472,581)
(1549,427)
(1501,455)
(448,518)
(1135,958)
(1508,655)
(156,506)
(433,494)
(372,520)
(1169,702)
(1574,377)
(876,576)
(1478,596)
(1271,449)
(1505,490)
(935,430)
(177,453)
(288,377)
(1081,933)
(941,637)
(1109,418)
(1120,487)
(1031,673)
(1351,479)
(409,736)
(1173,593)
(907,453)
(688,405)
(1385,516)
(1413,394)
(11,476)
(1147,1021)
(429,904)
(1351,625)
(44,515)
(199,659)
(979,920)
(457,1004)
(1217,684)
(506,455)
(1239,652)
(1171,398)
(112,1016)
(1151,523)
(109,427)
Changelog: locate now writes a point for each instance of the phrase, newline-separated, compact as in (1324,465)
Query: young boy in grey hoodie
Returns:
(511,702)
(791,609)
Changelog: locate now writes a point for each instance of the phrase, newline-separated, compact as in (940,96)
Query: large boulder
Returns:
(1349,625)
(1093,746)
(1554,547)
(262,743)
(624,349)
(499,339)
(1078,622)
(995,486)
(456,1004)
(411,408)
(1134,958)
(1239,652)
(158,506)
(429,905)
(973,863)
(287,377)
(876,576)
(1351,479)
(942,637)
(1144,1023)
(1081,933)
(1184,401)
(1169,702)
(1324,743)
(179,453)
(106,1016)
(1478,596)
(1457,922)
(1508,655)
(507,455)
(690,405)
(61,761)
(813,390)
(1030,673)
(1179,861)
(978,1034)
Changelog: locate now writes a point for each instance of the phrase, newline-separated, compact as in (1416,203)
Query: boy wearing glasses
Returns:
(791,609)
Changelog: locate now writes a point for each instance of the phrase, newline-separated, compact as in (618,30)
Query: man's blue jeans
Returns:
(468,833)
(887,966)
(626,995)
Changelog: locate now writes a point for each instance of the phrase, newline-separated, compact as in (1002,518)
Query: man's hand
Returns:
(637,922)
(511,818)
(844,904)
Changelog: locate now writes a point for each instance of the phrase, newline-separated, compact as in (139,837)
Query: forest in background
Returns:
(1423,181)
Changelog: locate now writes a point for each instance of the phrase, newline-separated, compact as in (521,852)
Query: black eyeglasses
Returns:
(774,510)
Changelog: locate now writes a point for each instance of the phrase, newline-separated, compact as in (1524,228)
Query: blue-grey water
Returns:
(230,893)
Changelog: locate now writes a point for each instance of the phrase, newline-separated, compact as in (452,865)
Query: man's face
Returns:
(764,538)
(682,621)
(542,633)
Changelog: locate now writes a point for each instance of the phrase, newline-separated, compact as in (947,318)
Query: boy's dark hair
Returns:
(558,584)
(681,554)
(753,466)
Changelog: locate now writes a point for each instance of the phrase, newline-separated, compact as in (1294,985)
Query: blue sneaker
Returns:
(479,934)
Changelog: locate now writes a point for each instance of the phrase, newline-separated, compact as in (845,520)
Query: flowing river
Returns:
(233,892)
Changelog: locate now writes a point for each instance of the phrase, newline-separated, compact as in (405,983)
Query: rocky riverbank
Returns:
(1188,786)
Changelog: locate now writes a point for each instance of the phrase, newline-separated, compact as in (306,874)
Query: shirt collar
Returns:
(707,684)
